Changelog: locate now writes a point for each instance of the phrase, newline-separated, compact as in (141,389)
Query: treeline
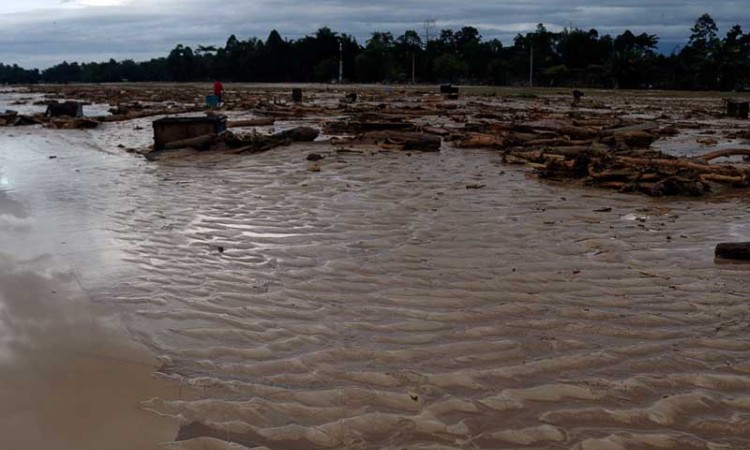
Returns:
(572,57)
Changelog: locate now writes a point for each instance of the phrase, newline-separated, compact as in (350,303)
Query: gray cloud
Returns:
(141,29)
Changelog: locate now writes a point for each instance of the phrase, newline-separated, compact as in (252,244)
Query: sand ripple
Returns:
(381,304)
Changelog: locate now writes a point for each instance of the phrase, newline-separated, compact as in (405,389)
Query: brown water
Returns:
(379,303)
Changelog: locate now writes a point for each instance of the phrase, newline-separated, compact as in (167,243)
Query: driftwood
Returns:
(479,140)
(146,113)
(231,143)
(355,127)
(634,139)
(299,134)
(611,156)
(73,123)
(251,123)
(255,143)
(199,142)
(675,165)
(646,126)
(654,174)
(559,127)
(436,131)
(405,140)
(724,153)
(725,179)
(396,140)
(737,251)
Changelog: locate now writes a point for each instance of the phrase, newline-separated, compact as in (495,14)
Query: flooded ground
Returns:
(386,301)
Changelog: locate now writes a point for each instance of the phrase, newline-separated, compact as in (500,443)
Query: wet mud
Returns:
(389,299)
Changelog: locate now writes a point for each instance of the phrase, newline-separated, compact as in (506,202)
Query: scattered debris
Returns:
(228,142)
(69,123)
(737,109)
(199,142)
(179,129)
(64,109)
(448,89)
(607,144)
(265,122)
(397,140)
(297,95)
(577,96)
(735,251)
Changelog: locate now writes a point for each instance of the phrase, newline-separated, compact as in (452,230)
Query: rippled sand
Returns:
(379,303)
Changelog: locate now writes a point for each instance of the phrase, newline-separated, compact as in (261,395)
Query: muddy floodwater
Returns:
(397,300)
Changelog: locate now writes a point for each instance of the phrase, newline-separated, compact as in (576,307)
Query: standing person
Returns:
(219,90)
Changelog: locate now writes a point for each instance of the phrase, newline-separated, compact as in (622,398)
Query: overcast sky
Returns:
(39,33)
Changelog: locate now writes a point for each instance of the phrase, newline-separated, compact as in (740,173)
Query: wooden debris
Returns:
(724,153)
(200,142)
(264,122)
(736,251)
(479,140)
(400,140)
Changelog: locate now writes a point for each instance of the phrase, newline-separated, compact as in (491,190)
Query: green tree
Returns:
(631,62)
(449,68)
(703,53)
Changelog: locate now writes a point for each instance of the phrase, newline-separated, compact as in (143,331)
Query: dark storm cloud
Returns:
(144,28)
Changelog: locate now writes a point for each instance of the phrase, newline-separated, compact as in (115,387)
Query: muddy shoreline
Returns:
(388,299)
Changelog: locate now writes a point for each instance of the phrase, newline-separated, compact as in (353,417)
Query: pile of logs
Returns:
(394,140)
(13,119)
(228,142)
(608,157)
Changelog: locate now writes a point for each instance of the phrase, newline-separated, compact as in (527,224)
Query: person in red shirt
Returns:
(219,90)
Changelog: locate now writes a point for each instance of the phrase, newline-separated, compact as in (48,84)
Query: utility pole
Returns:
(531,65)
(413,68)
(341,62)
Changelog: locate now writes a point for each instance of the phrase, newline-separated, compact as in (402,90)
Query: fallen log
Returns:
(399,140)
(148,113)
(725,179)
(619,185)
(737,251)
(251,123)
(436,131)
(634,139)
(675,165)
(479,140)
(724,153)
(382,126)
(299,134)
(613,174)
(675,185)
(646,126)
(553,142)
(26,120)
(558,127)
(196,142)
(408,140)
(577,150)
(73,123)
(259,142)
